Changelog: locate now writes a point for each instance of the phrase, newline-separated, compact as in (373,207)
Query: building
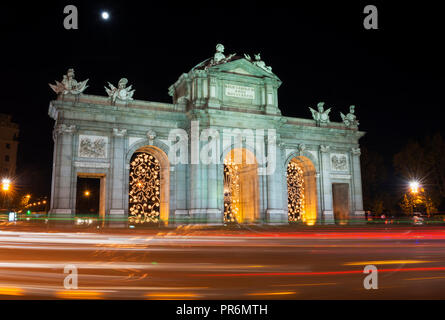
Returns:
(9,132)
(220,152)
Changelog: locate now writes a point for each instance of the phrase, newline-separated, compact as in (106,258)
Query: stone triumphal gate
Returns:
(152,158)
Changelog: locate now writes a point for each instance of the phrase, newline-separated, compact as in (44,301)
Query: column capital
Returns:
(324,148)
(301,148)
(63,129)
(355,151)
(119,132)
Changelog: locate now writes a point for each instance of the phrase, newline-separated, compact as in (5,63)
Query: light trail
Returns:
(382,262)
(320,273)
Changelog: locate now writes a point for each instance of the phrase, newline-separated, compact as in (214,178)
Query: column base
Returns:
(117,212)
(328,217)
(276,216)
(207,216)
(359,217)
(60,212)
(181,216)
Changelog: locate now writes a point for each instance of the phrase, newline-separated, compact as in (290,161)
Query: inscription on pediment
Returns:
(233,90)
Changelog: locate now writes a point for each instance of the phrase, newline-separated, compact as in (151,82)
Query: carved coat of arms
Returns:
(92,147)
(339,162)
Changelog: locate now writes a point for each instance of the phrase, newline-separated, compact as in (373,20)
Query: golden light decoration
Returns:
(231,192)
(144,192)
(295,189)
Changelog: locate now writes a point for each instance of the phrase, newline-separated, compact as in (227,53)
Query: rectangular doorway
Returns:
(340,195)
(90,195)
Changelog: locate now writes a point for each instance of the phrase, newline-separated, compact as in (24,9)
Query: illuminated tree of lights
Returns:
(231,192)
(295,189)
(144,189)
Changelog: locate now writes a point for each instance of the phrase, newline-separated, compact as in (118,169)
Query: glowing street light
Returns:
(87,193)
(414,186)
(6,184)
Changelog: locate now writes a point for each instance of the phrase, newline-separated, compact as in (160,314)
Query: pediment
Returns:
(243,67)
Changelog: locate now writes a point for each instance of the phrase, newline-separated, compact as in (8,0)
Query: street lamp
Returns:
(6,184)
(414,186)
(414,189)
(6,188)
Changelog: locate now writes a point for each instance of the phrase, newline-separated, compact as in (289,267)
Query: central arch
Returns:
(301,190)
(149,185)
(241,188)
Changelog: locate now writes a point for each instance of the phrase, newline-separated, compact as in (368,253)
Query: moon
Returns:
(105,15)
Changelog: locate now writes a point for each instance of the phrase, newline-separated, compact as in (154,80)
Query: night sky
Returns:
(394,75)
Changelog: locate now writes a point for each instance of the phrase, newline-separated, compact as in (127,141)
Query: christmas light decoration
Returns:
(231,191)
(144,188)
(295,189)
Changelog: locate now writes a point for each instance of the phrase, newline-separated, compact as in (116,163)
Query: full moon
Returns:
(105,15)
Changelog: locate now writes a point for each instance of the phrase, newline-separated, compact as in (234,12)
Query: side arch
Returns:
(158,150)
(241,186)
(309,172)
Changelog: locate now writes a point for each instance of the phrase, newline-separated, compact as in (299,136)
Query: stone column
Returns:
(357,196)
(118,194)
(319,196)
(275,212)
(326,186)
(180,187)
(270,97)
(214,215)
(62,194)
(196,211)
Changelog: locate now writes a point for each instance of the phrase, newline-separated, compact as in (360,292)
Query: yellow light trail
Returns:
(271,293)
(256,266)
(170,296)
(78,294)
(430,278)
(385,262)
(11,291)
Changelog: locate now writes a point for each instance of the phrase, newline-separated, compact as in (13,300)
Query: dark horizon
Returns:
(393,75)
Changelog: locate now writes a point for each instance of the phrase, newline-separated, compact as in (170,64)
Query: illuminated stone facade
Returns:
(100,136)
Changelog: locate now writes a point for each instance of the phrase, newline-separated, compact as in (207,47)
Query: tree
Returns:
(411,162)
(406,204)
(417,202)
(425,164)
(435,158)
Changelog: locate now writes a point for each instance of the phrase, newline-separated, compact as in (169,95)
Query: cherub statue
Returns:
(122,92)
(69,85)
(259,63)
(350,120)
(320,116)
(219,55)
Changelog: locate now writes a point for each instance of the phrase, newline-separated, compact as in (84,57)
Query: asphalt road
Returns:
(200,263)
